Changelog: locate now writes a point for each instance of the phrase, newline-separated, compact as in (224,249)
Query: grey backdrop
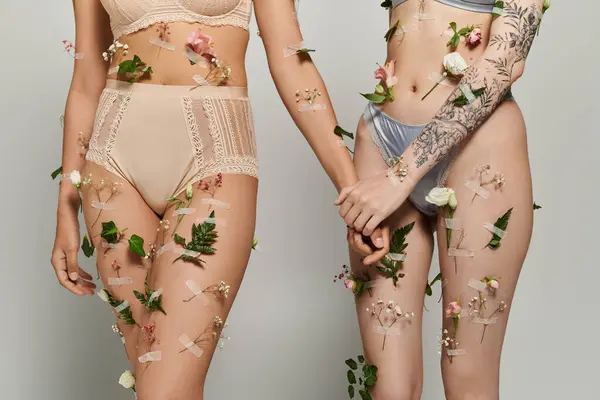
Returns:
(291,327)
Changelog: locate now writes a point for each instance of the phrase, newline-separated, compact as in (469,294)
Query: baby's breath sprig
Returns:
(213,332)
(387,314)
(365,381)
(219,289)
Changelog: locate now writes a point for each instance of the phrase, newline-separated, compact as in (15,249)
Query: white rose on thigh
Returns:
(455,64)
(127,380)
(440,196)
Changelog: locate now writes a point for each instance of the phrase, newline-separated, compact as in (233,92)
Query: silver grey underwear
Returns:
(484,6)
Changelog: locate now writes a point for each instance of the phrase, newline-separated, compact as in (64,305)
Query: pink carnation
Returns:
(474,37)
(453,309)
(494,284)
(201,44)
(350,284)
(386,74)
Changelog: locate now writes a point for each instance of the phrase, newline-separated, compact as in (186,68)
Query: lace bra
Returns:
(128,16)
(484,6)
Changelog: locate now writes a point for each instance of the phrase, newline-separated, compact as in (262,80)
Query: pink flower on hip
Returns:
(386,74)
(474,37)
(350,284)
(453,309)
(201,44)
(494,284)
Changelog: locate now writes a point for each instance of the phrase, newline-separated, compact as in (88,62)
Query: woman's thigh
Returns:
(181,372)
(500,143)
(400,361)
(108,198)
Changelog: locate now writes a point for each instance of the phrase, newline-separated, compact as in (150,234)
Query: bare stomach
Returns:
(169,64)
(419,55)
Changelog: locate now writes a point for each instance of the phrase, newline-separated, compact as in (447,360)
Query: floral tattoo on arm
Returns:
(456,121)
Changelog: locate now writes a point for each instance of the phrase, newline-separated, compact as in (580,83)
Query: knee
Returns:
(166,389)
(397,391)
(469,382)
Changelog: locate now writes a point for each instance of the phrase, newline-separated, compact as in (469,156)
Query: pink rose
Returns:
(494,284)
(201,44)
(474,37)
(350,284)
(453,309)
(386,74)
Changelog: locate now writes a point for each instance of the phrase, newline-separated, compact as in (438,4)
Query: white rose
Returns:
(127,380)
(440,196)
(455,64)
(103,294)
(75,178)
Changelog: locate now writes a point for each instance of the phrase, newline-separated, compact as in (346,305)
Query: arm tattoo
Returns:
(453,123)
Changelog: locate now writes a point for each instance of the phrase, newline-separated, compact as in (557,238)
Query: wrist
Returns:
(69,197)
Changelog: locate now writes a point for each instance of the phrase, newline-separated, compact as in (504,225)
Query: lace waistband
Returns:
(222,92)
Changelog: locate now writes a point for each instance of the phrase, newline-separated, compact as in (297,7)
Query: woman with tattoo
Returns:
(161,157)
(445,148)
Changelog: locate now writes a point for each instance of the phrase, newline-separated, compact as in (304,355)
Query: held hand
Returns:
(376,246)
(365,205)
(64,254)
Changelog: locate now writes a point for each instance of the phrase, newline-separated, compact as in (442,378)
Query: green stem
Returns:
(431,90)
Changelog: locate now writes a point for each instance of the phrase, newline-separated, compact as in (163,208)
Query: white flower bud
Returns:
(103,294)
(188,191)
(75,178)
(455,64)
(127,380)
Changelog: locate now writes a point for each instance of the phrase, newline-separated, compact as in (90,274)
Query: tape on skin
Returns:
(191,346)
(154,295)
(216,203)
(456,352)
(102,206)
(485,321)
(495,230)
(196,58)
(477,285)
(311,107)
(452,223)
(193,286)
(113,70)
(120,281)
(200,80)
(167,247)
(78,56)
(454,252)
(164,45)
(499,11)
(383,330)
(401,31)
(467,92)
(123,306)
(107,245)
(397,256)
(184,211)
(217,221)
(292,50)
(149,357)
(393,178)
(439,78)
(478,189)
(341,143)
(423,16)
(189,253)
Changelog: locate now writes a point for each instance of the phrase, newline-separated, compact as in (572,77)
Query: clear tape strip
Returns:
(155,295)
(478,189)
(499,11)
(397,256)
(341,143)
(124,305)
(102,205)
(120,281)
(196,58)
(304,107)
(216,203)
(113,70)
(217,221)
(107,245)
(150,356)
(189,253)
(467,92)
(401,31)
(79,56)
(485,321)
(384,330)
(477,285)
(494,229)
(163,44)
(163,249)
(199,79)
(393,178)
(423,16)
(452,223)
(454,252)
(439,78)
(456,352)
(184,211)
(194,287)
(292,50)
(191,346)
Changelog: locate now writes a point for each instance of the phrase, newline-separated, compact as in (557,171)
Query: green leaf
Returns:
(390,33)
(56,172)
(438,277)
(386,4)
(453,26)
(127,66)
(203,237)
(455,41)
(149,70)
(351,377)
(364,395)
(351,391)
(536,206)
(397,243)
(136,245)
(341,132)
(86,246)
(306,51)
(351,364)
(179,240)
(375,98)
(428,290)
(501,223)
(465,31)
(110,233)
(140,296)
(361,359)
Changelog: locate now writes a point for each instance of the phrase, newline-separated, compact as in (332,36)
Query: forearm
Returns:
(292,74)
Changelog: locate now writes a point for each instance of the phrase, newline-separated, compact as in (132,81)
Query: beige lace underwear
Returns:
(160,138)
(128,16)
